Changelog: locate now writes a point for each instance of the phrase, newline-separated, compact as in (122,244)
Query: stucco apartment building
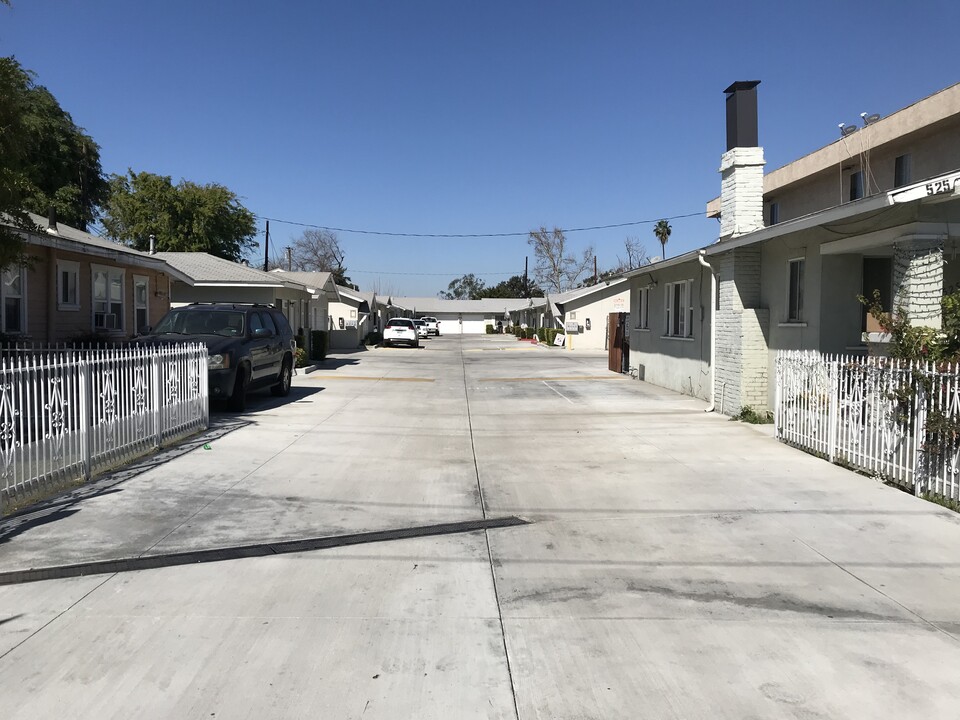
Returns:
(77,286)
(877,209)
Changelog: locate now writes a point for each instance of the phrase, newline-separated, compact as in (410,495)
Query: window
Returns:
(107,298)
(795,290)
(679,310)
(141,308)
(11,292)
(774,213)
(68,285)
(268,323)
(901,171)
(643,309)
(877,280)
(856,185)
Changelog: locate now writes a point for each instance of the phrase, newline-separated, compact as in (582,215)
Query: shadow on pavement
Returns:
(69,502)
(334,363)
(259,401)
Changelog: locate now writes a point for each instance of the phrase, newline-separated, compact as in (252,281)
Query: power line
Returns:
(472,235)
(447,274)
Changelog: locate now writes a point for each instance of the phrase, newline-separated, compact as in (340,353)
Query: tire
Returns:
(237,402)
(282,388)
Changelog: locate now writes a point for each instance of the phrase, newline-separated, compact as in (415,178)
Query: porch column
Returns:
(918,278)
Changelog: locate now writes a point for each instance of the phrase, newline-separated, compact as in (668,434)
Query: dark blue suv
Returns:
(249,346)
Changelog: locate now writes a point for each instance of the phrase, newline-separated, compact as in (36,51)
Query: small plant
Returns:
(301,357)
(748,415)
(490,330)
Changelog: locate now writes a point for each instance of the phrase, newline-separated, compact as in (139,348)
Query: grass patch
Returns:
(943,501)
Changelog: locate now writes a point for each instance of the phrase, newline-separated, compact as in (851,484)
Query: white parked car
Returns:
(401,331)
(433,325)
(422,330)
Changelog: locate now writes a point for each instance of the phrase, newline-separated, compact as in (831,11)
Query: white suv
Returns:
(401,331)
(433,325)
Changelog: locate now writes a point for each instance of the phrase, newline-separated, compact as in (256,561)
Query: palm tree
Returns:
(662,231)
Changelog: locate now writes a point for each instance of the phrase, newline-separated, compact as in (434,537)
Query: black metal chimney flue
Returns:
(742,114)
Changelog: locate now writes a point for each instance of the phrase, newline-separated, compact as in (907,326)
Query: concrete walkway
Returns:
(674,565)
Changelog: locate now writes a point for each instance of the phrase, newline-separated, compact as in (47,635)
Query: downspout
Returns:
(713,329)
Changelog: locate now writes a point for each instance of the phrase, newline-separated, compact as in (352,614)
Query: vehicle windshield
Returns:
(398,322)
(419,322)
(201,322)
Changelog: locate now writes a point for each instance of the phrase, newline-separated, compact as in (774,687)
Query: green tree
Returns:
(662,230)
(186,217)
(14,183)
(512,288)
(46,161)
(467,287)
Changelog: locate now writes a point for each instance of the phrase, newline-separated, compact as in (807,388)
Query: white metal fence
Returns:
(68,414)
(899,420)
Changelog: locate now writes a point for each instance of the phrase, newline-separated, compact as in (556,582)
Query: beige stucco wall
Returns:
(47,322)
(596,307)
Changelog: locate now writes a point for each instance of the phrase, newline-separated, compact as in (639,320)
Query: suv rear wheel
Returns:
(282,388)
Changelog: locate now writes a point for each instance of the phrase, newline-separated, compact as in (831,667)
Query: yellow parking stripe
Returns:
(364,377)
(554,379)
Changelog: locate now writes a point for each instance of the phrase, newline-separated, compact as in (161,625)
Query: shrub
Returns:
(748,415)
(373,338)
(490,330)
(301,360)
(318,344)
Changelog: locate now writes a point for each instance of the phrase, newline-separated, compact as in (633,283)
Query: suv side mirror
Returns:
(263,333)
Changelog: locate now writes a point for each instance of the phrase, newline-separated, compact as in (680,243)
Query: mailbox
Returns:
(571,327)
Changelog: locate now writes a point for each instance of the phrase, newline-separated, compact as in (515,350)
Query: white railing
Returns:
(67,414)
(895,419)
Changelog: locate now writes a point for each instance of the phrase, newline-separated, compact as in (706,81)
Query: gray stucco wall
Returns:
(682,365)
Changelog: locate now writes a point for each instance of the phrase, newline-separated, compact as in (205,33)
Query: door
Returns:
(618,343)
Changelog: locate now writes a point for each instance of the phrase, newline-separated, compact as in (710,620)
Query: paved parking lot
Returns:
(670,564)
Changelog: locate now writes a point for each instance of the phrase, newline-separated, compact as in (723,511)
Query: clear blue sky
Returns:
(453,116)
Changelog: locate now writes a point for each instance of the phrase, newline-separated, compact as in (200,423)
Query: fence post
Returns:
(833,410)
(86,417)
(919,434)
(155,398)
(777,392)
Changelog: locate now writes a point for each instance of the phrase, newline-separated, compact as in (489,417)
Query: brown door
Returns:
(616,341)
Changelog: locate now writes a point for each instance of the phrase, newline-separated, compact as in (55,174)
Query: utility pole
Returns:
(266,249)
(526,284)
(594,269)
(289,259)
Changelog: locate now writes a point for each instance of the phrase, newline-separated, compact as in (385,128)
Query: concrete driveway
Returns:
(481,529)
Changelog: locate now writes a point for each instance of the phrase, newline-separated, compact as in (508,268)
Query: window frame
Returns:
(111,272)
(22,297)
(643,309)
(795,317)
(857,189)
(773,215)
(902,170)
(137,280)
(675,325)
(72,268)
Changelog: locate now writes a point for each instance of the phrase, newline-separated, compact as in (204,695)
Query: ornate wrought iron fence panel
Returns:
(67,414)
(874,414)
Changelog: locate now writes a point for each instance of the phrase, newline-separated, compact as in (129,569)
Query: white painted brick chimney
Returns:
(741,191)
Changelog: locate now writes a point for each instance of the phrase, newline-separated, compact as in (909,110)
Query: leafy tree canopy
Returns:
(467,287)
(512,288)
(46,161)
(185,217)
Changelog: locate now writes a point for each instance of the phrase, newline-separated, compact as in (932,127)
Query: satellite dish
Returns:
(869,119)
(847,129)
